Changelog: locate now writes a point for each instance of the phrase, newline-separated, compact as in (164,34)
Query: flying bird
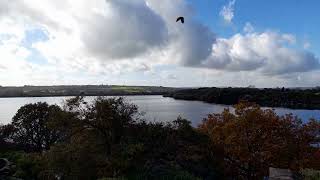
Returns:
(180,19)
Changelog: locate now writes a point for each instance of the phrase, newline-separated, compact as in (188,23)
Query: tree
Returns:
(106,138)
(251,140)
(30,126)
(109,117)
(95,134)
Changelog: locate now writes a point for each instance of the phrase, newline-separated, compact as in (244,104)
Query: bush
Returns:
(310,174)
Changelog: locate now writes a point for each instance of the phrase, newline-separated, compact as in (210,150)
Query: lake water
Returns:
(156,108)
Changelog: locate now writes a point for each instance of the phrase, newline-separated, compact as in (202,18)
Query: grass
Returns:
(129,89)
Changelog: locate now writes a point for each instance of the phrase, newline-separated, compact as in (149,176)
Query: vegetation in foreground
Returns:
(108,139)
(280,97)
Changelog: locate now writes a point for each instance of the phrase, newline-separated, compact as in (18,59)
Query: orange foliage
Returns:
(250,140)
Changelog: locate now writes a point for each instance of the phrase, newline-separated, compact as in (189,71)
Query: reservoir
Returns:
(155,108)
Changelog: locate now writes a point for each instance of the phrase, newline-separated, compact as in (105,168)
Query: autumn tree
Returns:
(251,139)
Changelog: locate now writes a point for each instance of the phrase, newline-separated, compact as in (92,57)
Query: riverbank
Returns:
(279,97)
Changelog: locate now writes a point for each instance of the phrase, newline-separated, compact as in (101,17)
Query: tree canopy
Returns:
(108,138)
(252,140)
(30,126)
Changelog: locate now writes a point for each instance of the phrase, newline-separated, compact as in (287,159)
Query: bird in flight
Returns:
(180,19)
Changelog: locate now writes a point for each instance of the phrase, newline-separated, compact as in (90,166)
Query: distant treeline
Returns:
(86,90)
(279,97)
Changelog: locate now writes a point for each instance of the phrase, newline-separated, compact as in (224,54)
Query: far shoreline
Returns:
(303,99)
(118,95)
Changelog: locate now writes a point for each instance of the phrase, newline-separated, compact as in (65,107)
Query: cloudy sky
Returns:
(137,42)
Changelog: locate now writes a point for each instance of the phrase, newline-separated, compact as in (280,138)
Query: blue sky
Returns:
(297,17)
(223,42)
(288,16)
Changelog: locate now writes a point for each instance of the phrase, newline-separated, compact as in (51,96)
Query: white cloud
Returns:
(227,11)
(108,38)
(129,29)
(306,45)
(262,52)
(81,31)
(289,38)
(248,28)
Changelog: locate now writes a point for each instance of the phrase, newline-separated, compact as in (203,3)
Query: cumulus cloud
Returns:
(248,28)
(193,44)
(187,43)
(265,52)
(114,30)
(129,29)
(306,45)
(104,37)
(227,11)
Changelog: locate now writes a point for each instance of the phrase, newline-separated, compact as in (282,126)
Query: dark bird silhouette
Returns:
(180,19)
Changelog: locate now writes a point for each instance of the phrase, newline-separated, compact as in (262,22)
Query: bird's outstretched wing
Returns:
(180,19)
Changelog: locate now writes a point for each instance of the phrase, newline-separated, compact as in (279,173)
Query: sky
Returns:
(138,42)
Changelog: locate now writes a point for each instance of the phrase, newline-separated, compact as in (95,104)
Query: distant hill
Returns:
(87,90)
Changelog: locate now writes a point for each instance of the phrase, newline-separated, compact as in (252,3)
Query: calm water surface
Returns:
(156,108)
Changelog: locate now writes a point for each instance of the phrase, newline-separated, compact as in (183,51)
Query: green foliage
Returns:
(12,156)
(30,127)
(87,90)
(27,166)
(290,98)
(128,89)
(175,175)
(108,138)
(310,174)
